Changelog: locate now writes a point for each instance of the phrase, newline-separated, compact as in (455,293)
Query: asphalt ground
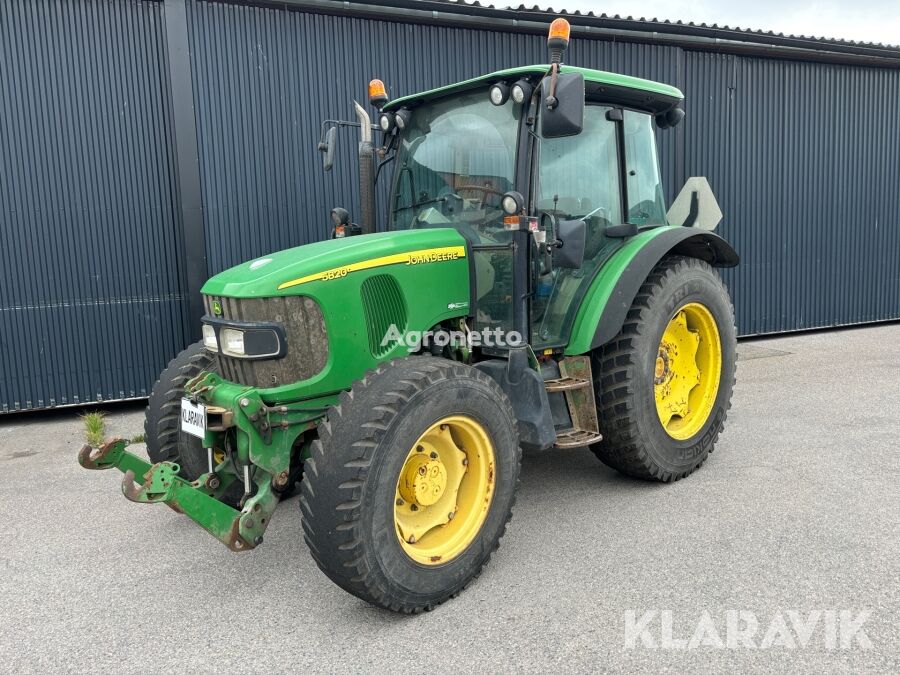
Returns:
(793,518)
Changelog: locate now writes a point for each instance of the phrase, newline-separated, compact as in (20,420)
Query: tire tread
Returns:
(614,367)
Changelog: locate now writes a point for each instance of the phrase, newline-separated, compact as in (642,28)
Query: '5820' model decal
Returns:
(420,257)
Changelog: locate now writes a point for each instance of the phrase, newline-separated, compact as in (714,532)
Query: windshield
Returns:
(454,162)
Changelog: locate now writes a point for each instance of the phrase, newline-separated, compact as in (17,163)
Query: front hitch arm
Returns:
(198,500)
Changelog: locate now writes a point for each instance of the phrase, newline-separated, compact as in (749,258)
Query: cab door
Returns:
(581,177)
(576,177)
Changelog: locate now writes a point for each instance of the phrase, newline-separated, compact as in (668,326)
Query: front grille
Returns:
(304,327)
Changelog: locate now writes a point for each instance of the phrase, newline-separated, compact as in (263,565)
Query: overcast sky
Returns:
(864,20)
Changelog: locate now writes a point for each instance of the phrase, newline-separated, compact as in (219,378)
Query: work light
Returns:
(402,118)
(521,91)
(499,93)
(386,122)
(512,202)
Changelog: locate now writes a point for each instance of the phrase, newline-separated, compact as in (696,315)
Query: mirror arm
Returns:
(381,164)
(551,100)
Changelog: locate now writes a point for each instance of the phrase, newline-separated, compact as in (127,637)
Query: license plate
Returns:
(193,418)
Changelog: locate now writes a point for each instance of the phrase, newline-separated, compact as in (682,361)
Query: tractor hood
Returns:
(290,271)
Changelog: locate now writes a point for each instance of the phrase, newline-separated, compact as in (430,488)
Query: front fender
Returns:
(610,295)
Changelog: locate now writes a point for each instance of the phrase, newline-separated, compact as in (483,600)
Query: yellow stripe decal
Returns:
(425,255)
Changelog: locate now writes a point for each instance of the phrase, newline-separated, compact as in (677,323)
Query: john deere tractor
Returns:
(523,288)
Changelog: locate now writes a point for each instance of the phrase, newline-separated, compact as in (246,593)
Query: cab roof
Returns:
(599,86)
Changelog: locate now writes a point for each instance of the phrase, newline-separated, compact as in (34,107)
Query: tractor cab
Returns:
(480,157)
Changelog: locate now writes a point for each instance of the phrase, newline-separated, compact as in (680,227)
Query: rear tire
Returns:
(630,371)
(350,494)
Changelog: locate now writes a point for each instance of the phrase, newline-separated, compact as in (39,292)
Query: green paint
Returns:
(434,291)
(432,268)
(161,485)
(598,294)
(590,75)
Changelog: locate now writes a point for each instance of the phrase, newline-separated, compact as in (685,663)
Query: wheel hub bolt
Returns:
(400,502)
(433,455)
(451,515)
(412,539)
(413,507)
(466,461)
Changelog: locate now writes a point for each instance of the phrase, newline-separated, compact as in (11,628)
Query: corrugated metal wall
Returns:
(804,158)
(805,161)
(91,300)
(265,79)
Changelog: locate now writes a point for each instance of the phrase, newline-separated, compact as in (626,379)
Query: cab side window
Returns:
(646,205)
(578,176)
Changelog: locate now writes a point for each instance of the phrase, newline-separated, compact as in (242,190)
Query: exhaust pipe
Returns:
(366,171)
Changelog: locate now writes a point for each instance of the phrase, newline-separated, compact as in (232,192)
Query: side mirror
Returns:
(327,147)
(621,231)
(566,118)
(569,253)
(670,119)
(342,225)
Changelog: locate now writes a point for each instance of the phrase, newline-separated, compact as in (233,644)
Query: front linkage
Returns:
(264,440)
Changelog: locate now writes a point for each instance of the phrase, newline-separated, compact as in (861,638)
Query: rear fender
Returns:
(606,304)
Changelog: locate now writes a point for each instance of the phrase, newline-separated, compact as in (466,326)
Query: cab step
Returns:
(576,384)
(576,438)
(565,384)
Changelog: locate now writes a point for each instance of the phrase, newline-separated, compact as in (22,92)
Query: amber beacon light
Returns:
(377,93)
(558,39)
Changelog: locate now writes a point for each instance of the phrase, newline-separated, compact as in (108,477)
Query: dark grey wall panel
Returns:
(805,161)
(265,79)
(90,289)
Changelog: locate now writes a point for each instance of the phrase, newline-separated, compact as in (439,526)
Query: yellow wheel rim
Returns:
(444,490)
(687,371)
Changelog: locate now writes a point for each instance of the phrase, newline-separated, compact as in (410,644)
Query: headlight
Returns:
(232,342)
(209,338)
(244,339)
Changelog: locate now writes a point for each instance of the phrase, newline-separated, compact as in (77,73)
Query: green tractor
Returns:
(525,288)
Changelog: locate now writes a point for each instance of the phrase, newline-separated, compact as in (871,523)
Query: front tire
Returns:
(162,421)
(411,483)
(664,384)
